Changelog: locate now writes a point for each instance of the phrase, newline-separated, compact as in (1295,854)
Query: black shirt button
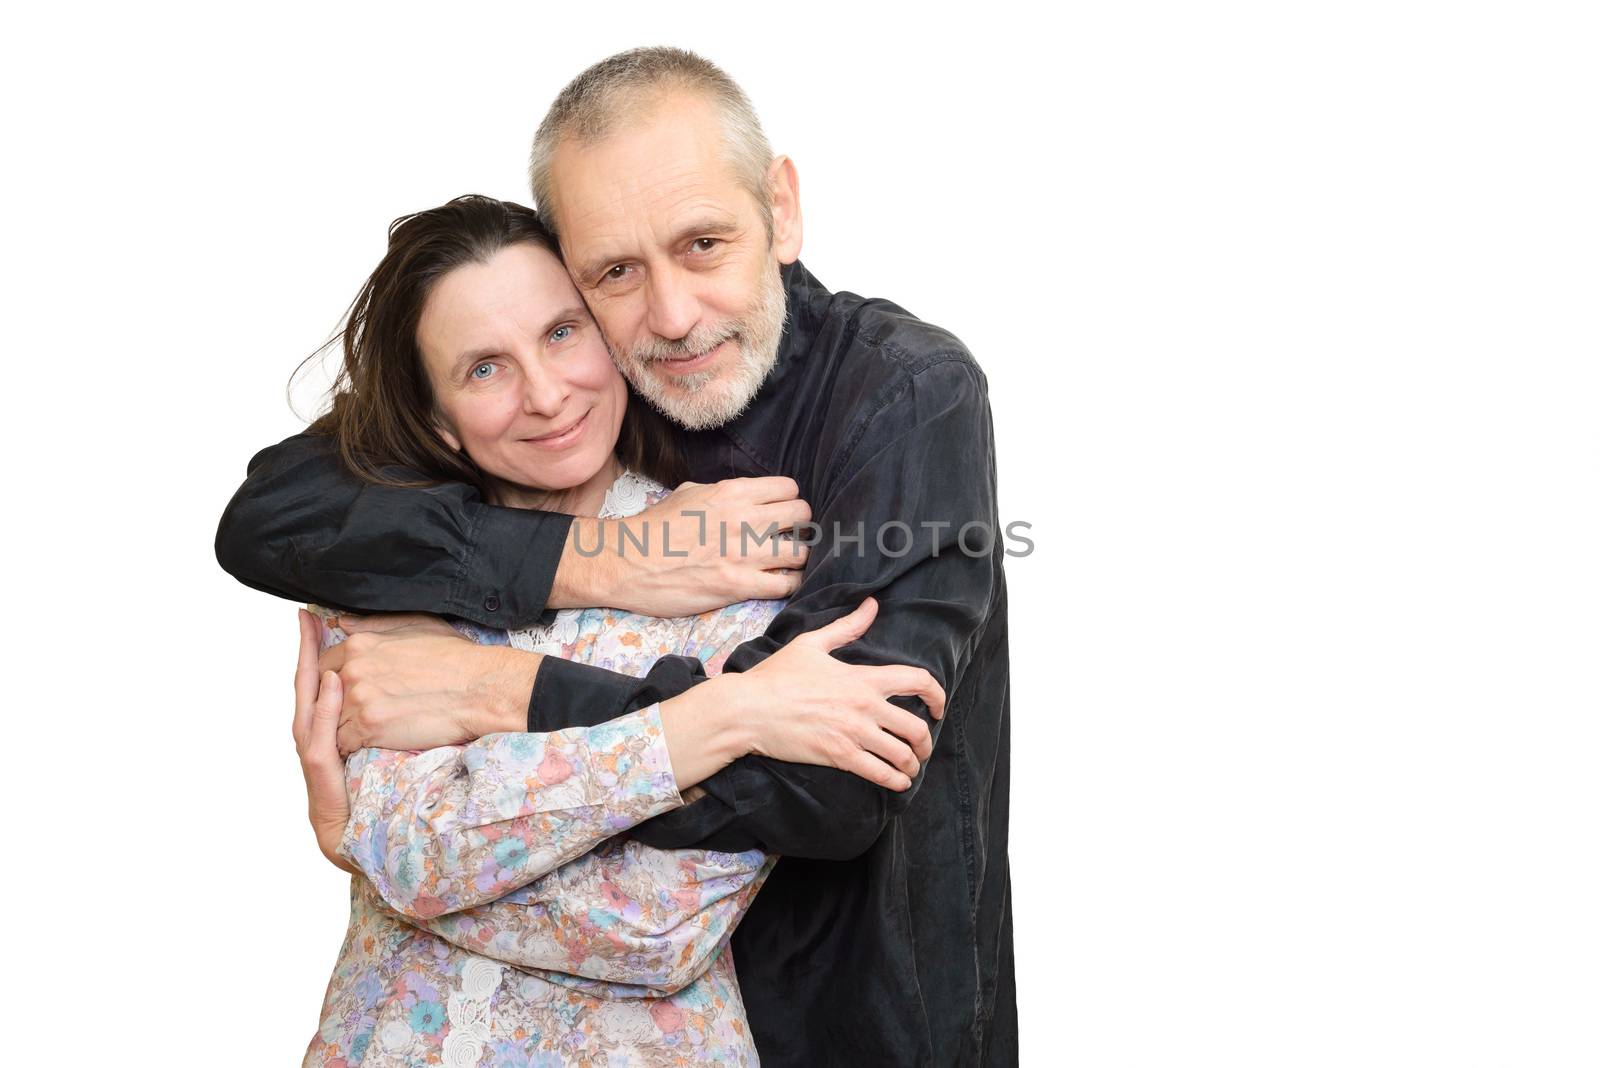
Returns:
(491,603)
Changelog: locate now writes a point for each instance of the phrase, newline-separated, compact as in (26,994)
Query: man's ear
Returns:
(787,230)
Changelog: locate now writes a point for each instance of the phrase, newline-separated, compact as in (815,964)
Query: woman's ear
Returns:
(446,435)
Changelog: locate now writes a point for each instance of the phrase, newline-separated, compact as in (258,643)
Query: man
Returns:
(884,935)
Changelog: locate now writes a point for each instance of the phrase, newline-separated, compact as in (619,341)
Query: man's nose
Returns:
(673,309)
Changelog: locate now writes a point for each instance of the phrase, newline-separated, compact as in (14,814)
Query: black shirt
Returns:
(883,936)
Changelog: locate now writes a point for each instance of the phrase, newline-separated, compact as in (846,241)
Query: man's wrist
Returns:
(584,579)
(507,688)
(722,701)
(704,730)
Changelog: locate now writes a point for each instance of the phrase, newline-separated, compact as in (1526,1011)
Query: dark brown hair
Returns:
(382,411)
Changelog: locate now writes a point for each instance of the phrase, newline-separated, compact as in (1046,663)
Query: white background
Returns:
(1289,318)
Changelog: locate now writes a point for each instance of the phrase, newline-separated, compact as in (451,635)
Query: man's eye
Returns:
(482,371)
(616,272)
(560,333)
(704,244)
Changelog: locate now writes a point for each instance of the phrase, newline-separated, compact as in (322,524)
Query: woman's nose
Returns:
(544,393)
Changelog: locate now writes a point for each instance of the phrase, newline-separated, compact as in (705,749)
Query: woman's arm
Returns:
(624,913)
(458,826)
(446,829)
(642,921)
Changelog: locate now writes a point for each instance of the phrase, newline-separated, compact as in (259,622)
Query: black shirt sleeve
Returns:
(304,527)
(569,694)
(925,460)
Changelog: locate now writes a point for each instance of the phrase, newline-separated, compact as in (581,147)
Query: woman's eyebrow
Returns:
(472,356)
(566,315)
(481,352)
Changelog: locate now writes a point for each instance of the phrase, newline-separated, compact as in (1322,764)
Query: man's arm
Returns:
(303,526)
(926,460)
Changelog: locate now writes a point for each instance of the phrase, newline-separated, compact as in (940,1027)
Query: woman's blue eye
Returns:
(560,333)
(489,367)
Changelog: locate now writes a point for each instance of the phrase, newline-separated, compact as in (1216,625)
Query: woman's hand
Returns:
(696,554)
(808,707)
(316,719)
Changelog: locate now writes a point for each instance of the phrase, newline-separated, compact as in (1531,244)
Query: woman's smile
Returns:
(563,438)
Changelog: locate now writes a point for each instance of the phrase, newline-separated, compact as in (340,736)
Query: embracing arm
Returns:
(624,913)
(450,828)
(442,829)
(651,920)
(303,527)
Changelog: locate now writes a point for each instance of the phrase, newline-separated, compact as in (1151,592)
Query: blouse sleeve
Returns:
(650,919)
(627,920)
(447,829)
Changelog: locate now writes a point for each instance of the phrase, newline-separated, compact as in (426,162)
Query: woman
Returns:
(470,357)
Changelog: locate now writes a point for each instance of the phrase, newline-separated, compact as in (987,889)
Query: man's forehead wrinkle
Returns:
(660,183)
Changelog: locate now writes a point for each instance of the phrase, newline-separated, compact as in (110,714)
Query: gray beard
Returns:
(713,397)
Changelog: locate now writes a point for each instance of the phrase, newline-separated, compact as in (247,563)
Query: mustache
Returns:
(696,343)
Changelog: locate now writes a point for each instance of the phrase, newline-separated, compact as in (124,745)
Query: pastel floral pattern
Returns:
(503,917)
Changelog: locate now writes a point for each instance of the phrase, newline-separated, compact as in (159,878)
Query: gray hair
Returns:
(595,102)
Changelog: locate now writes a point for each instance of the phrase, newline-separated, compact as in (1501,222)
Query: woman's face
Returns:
(520,373)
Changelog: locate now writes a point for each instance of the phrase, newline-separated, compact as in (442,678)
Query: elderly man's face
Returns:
(672,256)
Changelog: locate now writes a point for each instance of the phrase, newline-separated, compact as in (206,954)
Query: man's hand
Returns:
(316,718)
(713,561)
(802,704)
(412,682)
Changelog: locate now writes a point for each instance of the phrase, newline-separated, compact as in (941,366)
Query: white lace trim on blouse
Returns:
(627,496)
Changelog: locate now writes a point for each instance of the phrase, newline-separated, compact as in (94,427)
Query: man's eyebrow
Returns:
(705,226)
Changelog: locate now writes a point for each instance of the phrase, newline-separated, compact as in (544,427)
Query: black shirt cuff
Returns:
(566,694)
(510,566)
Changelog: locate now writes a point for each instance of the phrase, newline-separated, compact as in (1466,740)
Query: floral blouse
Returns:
(502,918)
